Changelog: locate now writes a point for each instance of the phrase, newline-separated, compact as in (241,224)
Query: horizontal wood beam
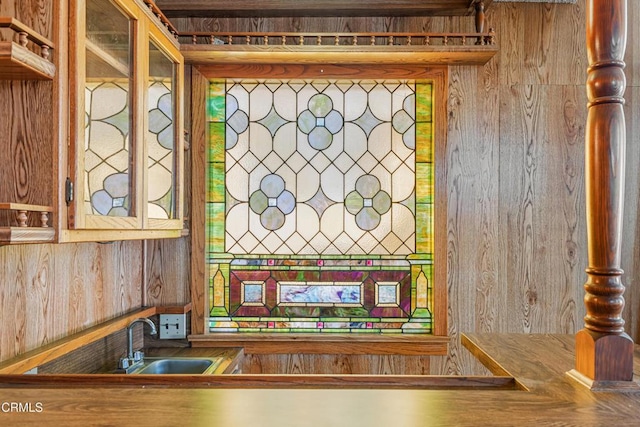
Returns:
(266,8)
(407,382)
(396,344)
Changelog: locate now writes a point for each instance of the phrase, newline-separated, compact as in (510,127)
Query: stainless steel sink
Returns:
(178,365)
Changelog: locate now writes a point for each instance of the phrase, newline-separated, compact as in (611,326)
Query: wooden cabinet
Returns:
(126,136)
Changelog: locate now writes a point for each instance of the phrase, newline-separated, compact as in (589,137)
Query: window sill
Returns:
(392,344)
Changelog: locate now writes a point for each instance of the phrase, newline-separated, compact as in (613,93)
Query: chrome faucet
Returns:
(134,358)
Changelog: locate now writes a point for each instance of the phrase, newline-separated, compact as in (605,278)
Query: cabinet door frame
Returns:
(144,31)
(155,36)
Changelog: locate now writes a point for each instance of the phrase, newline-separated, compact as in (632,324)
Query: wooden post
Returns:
(604,352)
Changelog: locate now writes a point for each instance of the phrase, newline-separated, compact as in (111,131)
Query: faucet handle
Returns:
(138,356)
(125,363)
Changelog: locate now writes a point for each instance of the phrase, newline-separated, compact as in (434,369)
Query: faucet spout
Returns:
(154,332)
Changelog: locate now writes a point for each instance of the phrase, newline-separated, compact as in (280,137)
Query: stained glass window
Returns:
(319,212)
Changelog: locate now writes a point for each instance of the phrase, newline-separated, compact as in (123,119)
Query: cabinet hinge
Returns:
(68,191)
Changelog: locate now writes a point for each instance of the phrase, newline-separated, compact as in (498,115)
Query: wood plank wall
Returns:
(515,158)
(26,122)
(50,291)
(516,220)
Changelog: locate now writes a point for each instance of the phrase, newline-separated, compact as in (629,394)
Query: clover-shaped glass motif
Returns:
(367,202)
(272,202)
(320,122)
(161,122)
(237,122)
(113,200)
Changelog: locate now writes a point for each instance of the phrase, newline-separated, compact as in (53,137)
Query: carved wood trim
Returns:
(604,352)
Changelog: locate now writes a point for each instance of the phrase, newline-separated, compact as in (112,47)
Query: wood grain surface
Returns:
(516,236)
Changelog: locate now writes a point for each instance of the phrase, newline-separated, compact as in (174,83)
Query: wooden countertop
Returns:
(538,363)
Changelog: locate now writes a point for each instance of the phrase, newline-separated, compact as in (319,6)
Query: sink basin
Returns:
(178,365)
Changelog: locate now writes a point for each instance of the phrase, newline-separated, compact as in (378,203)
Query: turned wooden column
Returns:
(604,352)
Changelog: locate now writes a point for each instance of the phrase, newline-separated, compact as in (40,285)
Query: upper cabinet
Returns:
(126,136)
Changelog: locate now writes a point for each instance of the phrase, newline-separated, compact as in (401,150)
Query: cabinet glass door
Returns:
(108,151)
(161,135)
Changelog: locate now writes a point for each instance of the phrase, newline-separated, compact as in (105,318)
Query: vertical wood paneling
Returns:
(630,260)
(199,282)
(50,291)
(632,57)
(515,223)
(26,175)
(335,364)
(168,272)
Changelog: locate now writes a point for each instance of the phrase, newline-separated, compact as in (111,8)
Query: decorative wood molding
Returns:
(338,48)
(273,8)
(604,352)
(22,232)
(17,62)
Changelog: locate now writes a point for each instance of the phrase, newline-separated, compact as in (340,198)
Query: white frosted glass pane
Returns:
(256,176)
(111,139)
(248,242)
(383,228)
(390,244)
(241,147)
(256,227)
(337,97)
(289,178)
(351,228)
(403,222)
(398,146)
(156,211)
(304,96)
(331,221)
(355,141)
(391,162)
(285,103)
(308,182)
(288,228)
(107,100)
(241,96)
(295,243)
(260,142)
(403,183)
(307,221)
(333,183)
(284,142)
(272,161)
(380,102)
(304,148)
(380,141)
(248,162)
(355,101)
(384,177)
(367,243)
(336,148)
(160,181)
(272,243)
(351,177)
(344,243)
(237,221)
(237,183)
